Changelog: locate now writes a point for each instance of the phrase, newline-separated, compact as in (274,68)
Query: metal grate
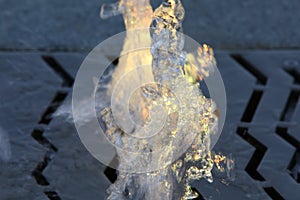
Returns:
(263,89)
(244,131)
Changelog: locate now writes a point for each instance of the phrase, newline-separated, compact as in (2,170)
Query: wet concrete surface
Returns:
(75,25)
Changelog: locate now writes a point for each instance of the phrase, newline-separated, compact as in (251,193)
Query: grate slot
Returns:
(111,173)
(290,106)
(52,195)
(38,171)
(257,156)
(283,132)
(261,78)
(58,69)
(37,134)
(252,106)
(295,74)
(273,193)
(294,166)
(200,197)
(55,103)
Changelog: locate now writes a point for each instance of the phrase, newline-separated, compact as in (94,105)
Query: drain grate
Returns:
(249,119)
(263,111)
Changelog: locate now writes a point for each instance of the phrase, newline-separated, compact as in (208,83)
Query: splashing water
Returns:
(174,120)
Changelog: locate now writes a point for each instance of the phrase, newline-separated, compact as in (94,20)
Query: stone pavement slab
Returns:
(75,25)
(27,86)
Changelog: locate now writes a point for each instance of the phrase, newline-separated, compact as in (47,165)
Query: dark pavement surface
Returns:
(75,24)
(41,156)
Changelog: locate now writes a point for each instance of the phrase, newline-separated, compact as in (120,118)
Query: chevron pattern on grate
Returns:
(262,130)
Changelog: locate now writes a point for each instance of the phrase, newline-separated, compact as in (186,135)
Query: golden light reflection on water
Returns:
(198,161)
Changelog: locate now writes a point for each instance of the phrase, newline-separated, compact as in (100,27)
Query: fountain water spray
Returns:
(150,113)
(189,118)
